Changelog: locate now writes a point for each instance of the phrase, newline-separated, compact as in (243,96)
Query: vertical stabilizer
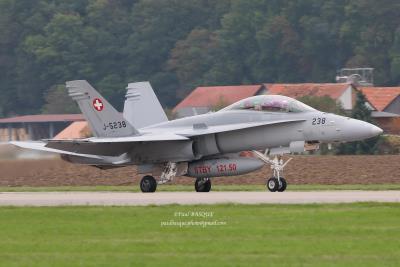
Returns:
(142,107)
(104,120)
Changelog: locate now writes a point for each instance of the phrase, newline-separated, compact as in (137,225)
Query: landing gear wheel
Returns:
(202,185)
(148,184)
(282,185)
(273,184)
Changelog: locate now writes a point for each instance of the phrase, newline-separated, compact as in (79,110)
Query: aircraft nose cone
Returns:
(376,130)
(357,130)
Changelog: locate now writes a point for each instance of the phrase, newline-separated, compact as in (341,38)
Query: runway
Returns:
(186,198)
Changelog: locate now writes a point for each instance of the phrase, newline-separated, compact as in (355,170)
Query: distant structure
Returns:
(357,76)
(35,127)
(76,130)
(385,102)
(205,99)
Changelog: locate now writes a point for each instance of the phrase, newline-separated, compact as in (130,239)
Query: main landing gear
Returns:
(148,184)
(202,185)
(276,183)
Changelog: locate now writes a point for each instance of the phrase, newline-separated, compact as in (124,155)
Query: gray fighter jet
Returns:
(202,146)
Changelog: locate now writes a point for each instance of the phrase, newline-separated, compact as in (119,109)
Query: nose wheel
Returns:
(282,185)
(202,185)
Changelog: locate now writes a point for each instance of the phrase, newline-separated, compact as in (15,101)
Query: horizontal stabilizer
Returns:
(128,139)
(41,146)
(110,146)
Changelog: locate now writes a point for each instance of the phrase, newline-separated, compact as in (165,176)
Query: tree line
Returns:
(180,44)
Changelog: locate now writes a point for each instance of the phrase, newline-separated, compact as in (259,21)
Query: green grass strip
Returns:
(365,234)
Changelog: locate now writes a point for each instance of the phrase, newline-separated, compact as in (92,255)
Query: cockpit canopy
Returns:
(270,103)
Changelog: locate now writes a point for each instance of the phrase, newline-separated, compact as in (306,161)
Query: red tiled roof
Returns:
(380,97)
(77,129)
(212,95)
(44,118)
(333,90)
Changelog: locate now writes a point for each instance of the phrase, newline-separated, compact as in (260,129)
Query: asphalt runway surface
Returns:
(186,198)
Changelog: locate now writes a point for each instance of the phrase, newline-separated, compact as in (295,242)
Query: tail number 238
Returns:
(318,121)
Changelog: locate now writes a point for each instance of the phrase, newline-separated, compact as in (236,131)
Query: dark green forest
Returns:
(180,44)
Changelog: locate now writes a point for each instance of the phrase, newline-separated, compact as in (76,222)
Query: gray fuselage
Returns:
(312,126)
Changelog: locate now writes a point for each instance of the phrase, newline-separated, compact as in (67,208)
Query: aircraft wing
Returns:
(115,146)
(203,129)
(110,146)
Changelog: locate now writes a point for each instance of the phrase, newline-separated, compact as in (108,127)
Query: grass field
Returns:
(189,188)
(366,234)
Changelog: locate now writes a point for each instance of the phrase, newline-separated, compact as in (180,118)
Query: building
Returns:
(385,103)
(344,93)
(76,130)
(204,99)
(35,127)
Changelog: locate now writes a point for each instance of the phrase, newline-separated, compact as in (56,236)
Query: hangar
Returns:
(35,127)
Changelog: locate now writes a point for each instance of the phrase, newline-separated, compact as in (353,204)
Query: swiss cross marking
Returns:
(97,104)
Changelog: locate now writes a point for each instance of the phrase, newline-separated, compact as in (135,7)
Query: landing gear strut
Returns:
(276,182)
(148,184)
(202,185)
(169,172)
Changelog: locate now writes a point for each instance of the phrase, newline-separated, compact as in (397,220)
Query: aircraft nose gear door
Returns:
(276,182)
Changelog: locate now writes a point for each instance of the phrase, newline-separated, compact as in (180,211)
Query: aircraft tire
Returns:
(282,185)
(202,186)
(148,184)
(273,184)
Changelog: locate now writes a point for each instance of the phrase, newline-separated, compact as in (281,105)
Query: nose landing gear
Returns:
(276,183)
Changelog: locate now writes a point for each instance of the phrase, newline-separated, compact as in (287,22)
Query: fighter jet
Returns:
(203,146)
